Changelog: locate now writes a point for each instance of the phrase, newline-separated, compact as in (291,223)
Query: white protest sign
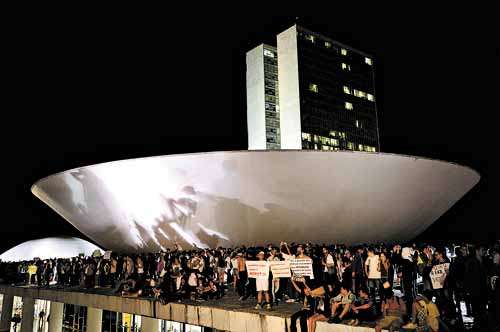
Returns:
(280,269)
(257,269)
(302,267)
(107,254)
(438,275)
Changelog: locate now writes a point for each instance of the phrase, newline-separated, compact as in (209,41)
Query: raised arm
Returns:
(286,246)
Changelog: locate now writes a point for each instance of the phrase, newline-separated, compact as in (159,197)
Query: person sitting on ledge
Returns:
(362,309)
(341,305)
(323,310)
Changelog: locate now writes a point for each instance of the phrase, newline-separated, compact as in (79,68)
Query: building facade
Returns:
(262,98)
(326,95)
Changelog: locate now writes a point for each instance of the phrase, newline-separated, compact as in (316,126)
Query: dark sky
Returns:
(83,92)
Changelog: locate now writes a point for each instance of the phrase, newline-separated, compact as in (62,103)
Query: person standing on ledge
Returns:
(262,285)
(242,277)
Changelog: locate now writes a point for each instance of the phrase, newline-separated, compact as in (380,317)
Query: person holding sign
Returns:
(439,275)
(275,280)
(262,285)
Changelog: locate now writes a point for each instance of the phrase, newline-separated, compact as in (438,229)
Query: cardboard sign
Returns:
(438,275)
(107,254)
(302,267)
(257,269)
(280,269)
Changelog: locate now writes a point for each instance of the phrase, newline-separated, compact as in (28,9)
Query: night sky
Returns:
(82,92)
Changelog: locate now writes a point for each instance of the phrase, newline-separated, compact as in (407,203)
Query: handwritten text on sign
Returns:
(257,269)
(438,275)
(280,269)
(302,267)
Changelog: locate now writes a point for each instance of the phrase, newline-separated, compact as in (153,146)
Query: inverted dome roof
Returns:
(50,247)
(252,197)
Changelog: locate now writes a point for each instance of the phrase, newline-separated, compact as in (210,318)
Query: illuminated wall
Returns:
(255,197)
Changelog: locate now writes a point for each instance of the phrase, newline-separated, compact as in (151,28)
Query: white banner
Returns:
(438,275)
(302,267)
(257,269)
(280,269)
(107,254)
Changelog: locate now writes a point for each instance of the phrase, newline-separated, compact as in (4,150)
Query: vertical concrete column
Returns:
(149,324)
(56,316)
(28,314)
(94,319)
(7,303)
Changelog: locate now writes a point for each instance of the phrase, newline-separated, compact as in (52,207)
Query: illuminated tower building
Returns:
(326,95)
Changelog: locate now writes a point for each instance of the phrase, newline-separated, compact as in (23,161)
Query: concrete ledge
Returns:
(231,318)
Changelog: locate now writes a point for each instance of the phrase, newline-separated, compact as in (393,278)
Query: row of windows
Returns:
(269,53)
(361,147)
(368,60)
(270,68)
(271,98)
(359,93)
(314,40)
(272,107)
(271,75)
(320,139)
(350,146)
(337,134)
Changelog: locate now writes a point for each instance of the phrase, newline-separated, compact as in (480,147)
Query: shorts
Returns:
(262,285)
(390,322)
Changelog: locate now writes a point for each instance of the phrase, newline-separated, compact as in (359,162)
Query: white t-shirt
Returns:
(193,280)
(329,261)
(373,267)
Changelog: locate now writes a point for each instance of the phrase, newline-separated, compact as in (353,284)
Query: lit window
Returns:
(334,141)
(310,38)
(360,147)
(347,90)
(315,138)
(269,53)
(357,123)
(345,66)
(333,133)
(313,87)
(348,106)
(315,146)
(368,61)
(328,44)
(350,145)
(359,93)
(325,147)
(306,137)
(370,97)
(343,51)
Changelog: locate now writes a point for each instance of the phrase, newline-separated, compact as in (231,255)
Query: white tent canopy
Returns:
(50,247)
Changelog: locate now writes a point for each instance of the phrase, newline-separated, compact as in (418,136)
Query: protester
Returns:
(262,284)
(341,305)
(374,273)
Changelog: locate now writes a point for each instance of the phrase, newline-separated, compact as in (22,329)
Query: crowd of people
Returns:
(387,287)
